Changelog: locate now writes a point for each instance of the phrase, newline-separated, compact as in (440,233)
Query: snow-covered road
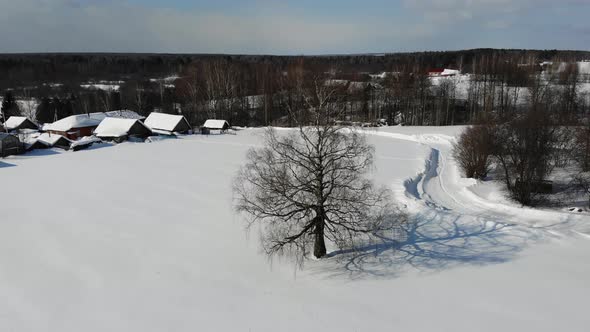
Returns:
(451,224)
(441,187)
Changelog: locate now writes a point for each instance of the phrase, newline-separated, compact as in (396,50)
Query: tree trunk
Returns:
(319,247)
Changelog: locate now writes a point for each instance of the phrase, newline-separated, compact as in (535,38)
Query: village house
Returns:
(443,72)
(167,124)
(119,130)
(16,123)
(53,141)
(75,126)
(10,145)
(210,125)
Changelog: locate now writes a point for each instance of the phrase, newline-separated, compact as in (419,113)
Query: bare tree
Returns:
(28,105)
(473,151)
(188,89)
(220,87)
(308,186)
(582,151)
(525,149)
(581,184)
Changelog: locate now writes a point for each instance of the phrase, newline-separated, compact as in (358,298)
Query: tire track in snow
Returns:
(440,187)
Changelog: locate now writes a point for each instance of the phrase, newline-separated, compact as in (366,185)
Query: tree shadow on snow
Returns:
(3,164)
(431,242)
(43,152)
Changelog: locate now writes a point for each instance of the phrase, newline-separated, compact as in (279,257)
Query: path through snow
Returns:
(450,225)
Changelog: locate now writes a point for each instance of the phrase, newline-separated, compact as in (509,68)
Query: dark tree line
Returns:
(549,131)
(259,90)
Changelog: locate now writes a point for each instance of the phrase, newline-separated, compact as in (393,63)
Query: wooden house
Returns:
(212,125)
(75,126)
(119,129)
(167,124)
(17,123)
(54,140)
(10,145)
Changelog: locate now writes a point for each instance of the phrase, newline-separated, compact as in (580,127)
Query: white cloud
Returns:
(111,26)
(75,25)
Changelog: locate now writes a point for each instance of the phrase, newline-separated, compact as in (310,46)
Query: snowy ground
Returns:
(141,237)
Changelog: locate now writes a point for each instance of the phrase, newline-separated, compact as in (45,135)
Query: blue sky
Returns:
(290,27)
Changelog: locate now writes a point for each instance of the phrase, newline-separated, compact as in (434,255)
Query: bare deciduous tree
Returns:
(473,151)
(582,184)
(308,186)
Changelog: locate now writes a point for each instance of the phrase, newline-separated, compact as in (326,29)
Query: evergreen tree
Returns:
(9,106)
(44,111)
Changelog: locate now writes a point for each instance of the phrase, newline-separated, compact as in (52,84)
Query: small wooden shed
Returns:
(54,140)
(213,125)
(167,124)
(10,145)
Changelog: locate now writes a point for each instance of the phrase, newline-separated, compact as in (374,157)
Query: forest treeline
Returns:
(251,90)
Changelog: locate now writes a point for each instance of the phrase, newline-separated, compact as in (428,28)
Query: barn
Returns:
(167,124)
(10,145)
(75,126)
(54,140)
(119,129)
(210,125)
(16,123)
(32,143)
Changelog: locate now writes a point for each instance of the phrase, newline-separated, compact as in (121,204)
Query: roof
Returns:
(115,127)
(76,121)
(87,140)
(215,124)
(163,121)
(124,114)
(14,122)
(444,72)
(51,139)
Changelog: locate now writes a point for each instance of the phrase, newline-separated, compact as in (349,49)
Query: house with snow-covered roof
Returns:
(9,145)
(213,124)
(167,124)
(119,129)
(443,72)
(16,123)
(75,126)
(53,140)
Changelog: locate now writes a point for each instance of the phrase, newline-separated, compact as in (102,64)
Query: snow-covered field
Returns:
(142,237)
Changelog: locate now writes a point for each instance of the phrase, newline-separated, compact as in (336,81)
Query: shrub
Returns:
(473,151)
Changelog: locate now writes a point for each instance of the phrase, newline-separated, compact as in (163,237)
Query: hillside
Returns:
(140,237)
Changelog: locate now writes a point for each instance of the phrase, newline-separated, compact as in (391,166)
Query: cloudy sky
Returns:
(290,26)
